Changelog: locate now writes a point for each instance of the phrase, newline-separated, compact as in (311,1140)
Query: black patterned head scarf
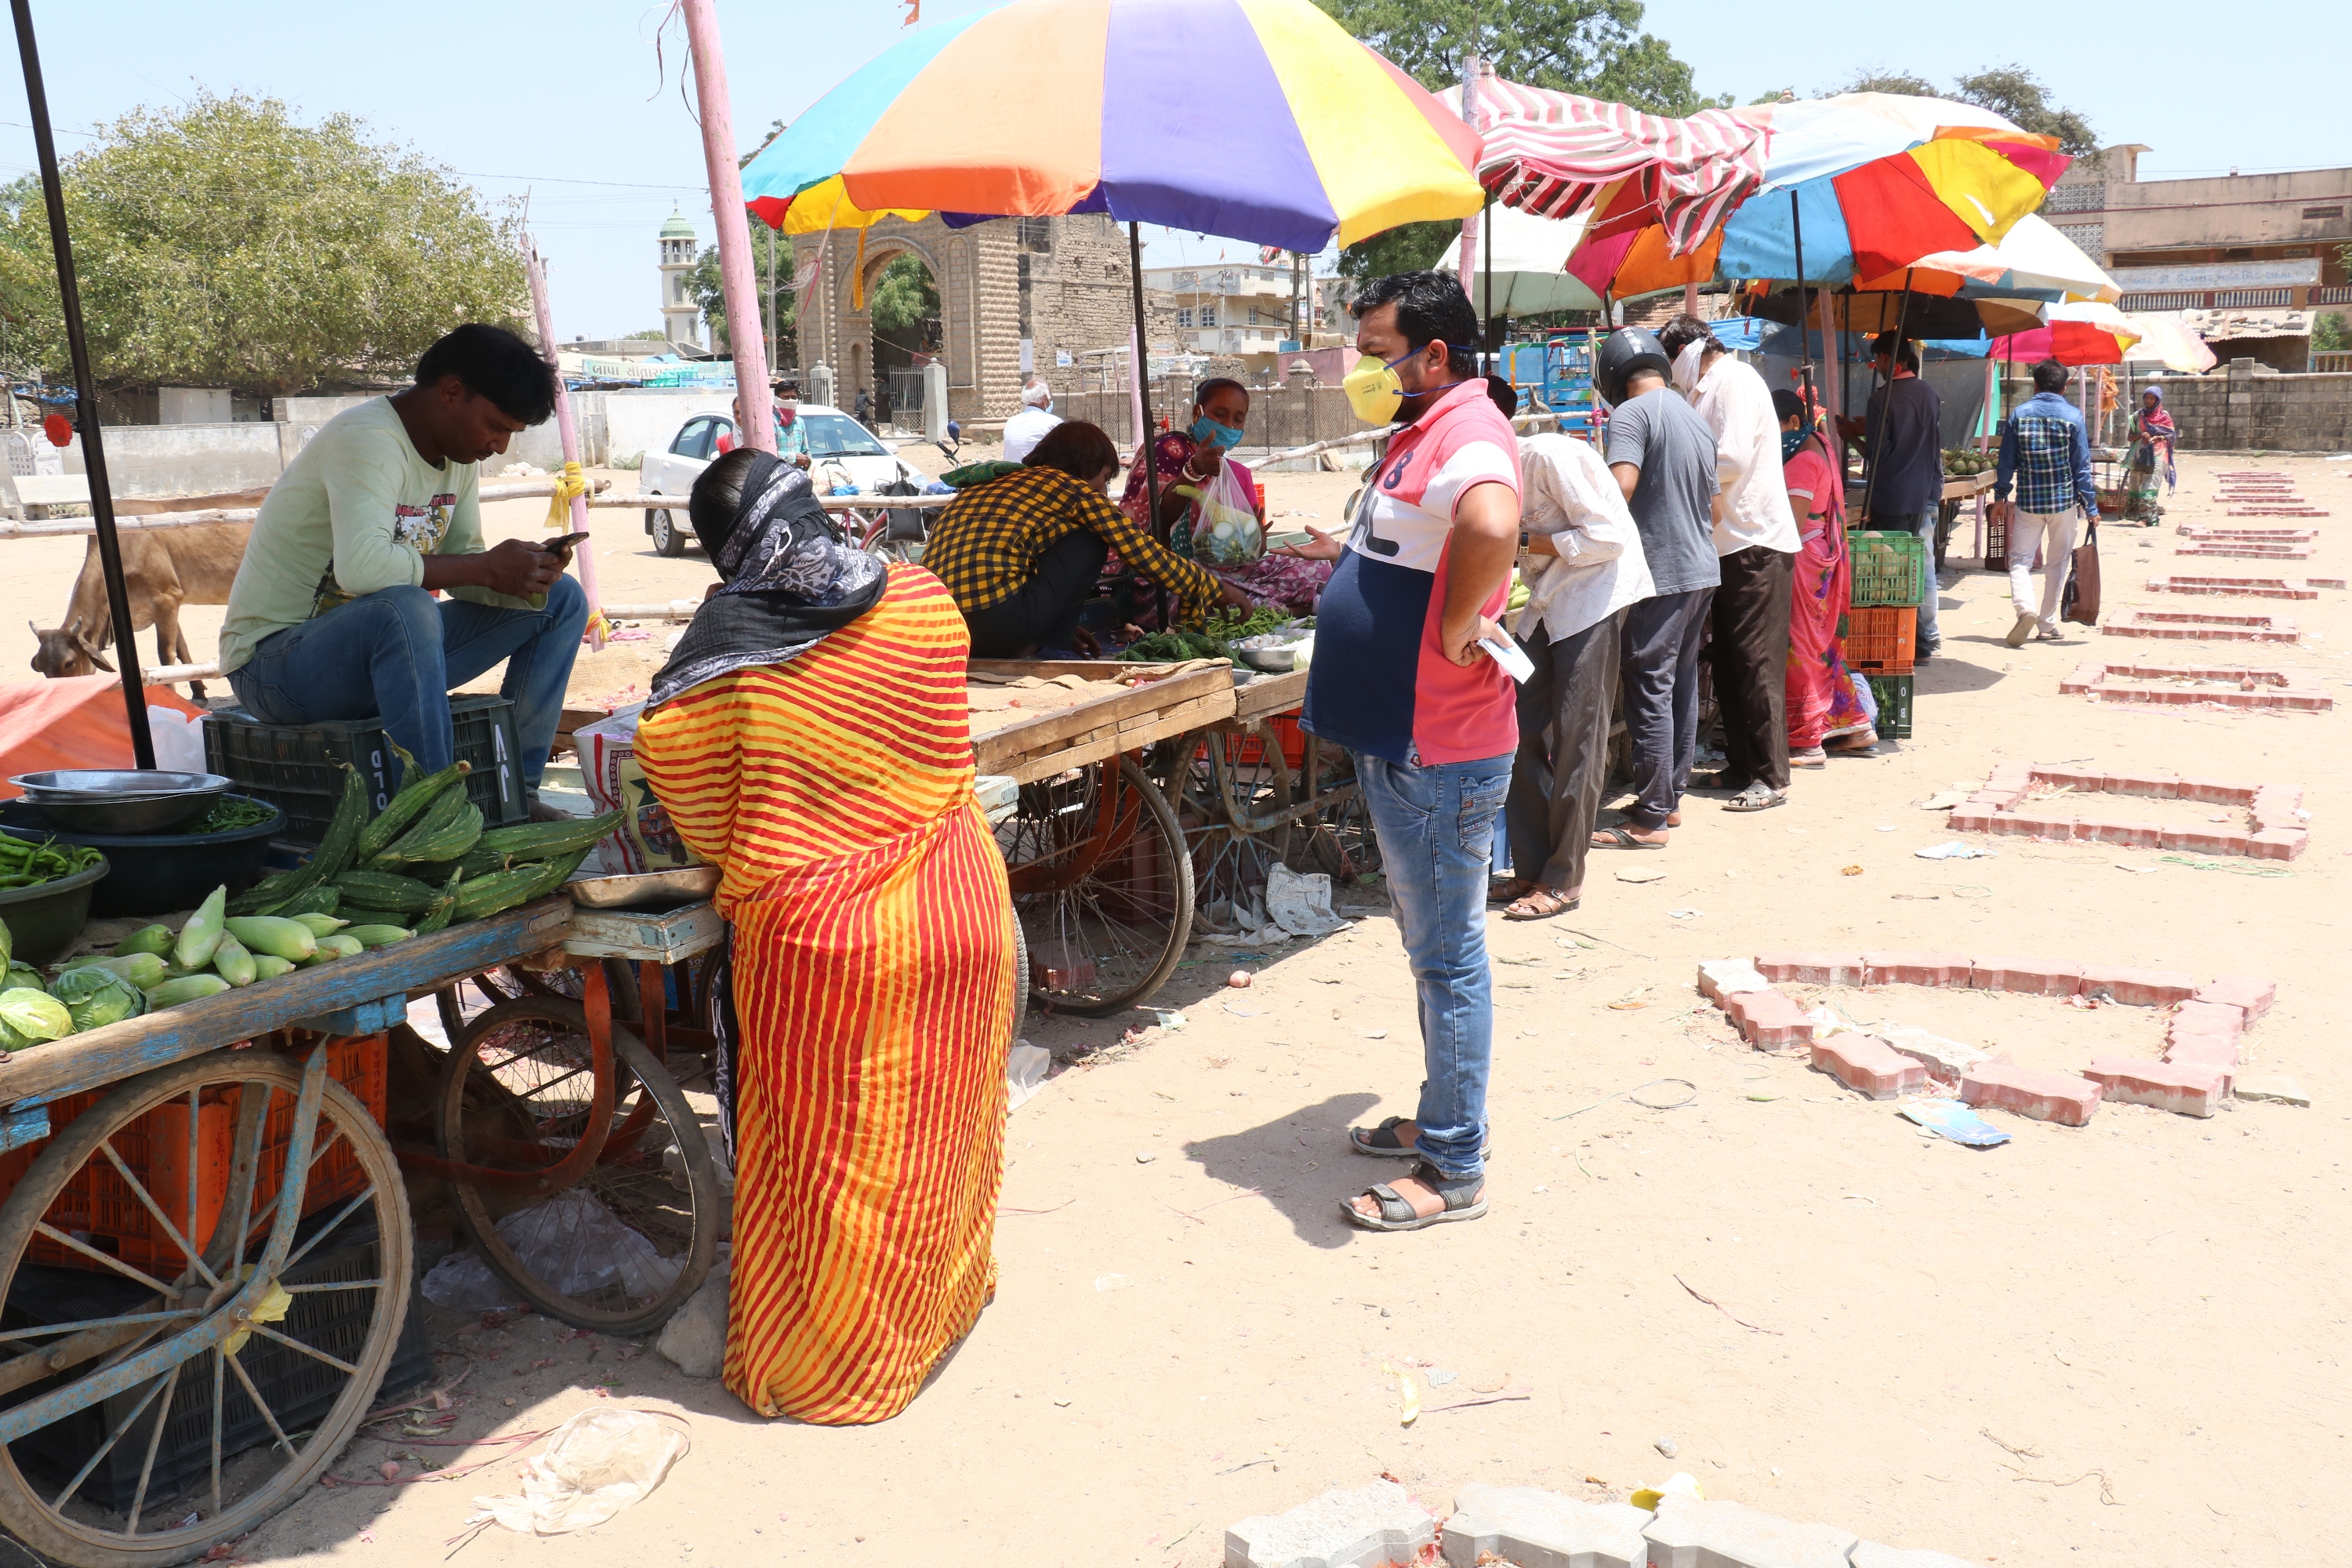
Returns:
(790,580)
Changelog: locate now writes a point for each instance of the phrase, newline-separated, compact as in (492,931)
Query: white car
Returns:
(841,451)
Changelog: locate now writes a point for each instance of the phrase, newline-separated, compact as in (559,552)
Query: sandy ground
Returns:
(2118,1345)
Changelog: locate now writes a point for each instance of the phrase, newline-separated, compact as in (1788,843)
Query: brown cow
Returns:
(163,569)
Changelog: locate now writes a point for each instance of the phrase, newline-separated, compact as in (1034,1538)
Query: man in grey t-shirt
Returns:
(1664,457)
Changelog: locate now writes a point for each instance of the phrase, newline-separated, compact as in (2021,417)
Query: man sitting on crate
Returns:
(333,614)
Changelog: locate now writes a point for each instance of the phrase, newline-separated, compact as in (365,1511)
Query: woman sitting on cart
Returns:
(1209,509)
(809,738)
(1021,553)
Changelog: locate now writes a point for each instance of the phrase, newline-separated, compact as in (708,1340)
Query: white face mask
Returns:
(1687,366)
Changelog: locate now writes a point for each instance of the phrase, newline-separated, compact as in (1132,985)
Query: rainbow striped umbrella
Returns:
(1253,120)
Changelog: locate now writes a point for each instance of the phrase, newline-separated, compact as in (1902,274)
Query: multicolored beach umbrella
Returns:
(1253,120)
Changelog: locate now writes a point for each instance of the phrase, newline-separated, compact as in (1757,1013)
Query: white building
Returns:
(680,312)
(1240,308)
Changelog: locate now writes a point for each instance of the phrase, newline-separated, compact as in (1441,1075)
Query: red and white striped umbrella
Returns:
(1559,153)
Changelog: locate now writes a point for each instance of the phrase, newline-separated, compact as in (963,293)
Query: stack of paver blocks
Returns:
(2274,828)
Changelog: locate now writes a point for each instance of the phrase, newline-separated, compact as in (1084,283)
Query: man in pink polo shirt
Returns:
(1401,680)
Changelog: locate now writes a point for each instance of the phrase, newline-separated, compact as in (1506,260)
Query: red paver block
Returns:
(2195,1018)
(1972,819)
(2206,1051)
(2085,677)
(2218,793)
(1811,968)
(2153,786)
(1768,1018)
(2274,805)
(2010,775)
(1992,799)
(2182,1087)
(1914,969)
(2059,1096)
(2118,830)
(2031,824)
(2214,840)
(2086,781)
(1718,977)
(2026,976)
(2139,987)
(1869,1065)
(2253,997)
(2323,582)
(2278,844)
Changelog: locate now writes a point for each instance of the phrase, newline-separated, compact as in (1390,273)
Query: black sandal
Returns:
(1382,1141)
(1465,1197)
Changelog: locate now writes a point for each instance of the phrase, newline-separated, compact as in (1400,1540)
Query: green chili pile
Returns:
(24,864)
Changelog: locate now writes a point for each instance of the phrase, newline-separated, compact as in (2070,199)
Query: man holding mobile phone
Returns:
(334,613)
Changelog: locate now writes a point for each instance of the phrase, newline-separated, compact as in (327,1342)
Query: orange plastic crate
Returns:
(99,1209)
(1881,640)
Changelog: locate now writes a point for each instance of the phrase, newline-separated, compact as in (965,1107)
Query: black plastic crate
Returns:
(299,1389)
(1893,693)
(294,767)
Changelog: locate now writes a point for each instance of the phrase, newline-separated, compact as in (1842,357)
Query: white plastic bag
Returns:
(464,1283)
(594,1465)
(608,763)
(1026,1067)
(179,740)
(1225,530)
(577,1246)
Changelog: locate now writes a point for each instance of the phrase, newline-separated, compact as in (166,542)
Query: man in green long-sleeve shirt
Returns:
(333,614)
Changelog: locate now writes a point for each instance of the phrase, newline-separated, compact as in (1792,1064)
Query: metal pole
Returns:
(735,270)
(93,446)
(1140,371)
(568,430)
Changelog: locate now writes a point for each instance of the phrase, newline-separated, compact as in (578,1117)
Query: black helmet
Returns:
(1627,349)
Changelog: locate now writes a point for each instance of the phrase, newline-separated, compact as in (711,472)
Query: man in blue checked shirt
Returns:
(2045,452)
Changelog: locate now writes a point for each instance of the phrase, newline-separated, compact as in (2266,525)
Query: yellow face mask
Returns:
(1373,390)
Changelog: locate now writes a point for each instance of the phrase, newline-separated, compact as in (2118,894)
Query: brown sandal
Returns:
(1510,890)
(1540,904)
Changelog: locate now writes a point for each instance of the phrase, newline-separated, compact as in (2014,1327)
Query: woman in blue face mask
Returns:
(1201,488)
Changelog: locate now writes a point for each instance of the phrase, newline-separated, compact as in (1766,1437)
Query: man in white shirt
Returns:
(1026,428)
(1756,540)
(1580,558)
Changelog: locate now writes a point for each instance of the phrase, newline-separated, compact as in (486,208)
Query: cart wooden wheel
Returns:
(1344,842)
(506,982)
(587,1184)
(1235,792)
(1103,885)
(159,1403)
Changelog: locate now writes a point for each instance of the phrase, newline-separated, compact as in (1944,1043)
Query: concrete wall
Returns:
(186,459)
(2242,411)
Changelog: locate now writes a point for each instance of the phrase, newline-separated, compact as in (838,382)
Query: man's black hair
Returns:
(1787,404)
(492,362)
(1905,351)
(1506,396)
(1430,308)
(1681,331)
(2051,376)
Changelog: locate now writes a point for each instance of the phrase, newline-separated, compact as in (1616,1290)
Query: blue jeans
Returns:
(395,653)
(1922,523)
(1436,825)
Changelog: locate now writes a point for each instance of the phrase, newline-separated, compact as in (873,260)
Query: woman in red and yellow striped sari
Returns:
(809,738)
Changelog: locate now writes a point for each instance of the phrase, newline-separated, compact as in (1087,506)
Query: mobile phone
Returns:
(555,545)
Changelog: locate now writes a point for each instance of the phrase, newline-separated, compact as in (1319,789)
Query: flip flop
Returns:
(1465,1197)
(1561,903)
(1620,836)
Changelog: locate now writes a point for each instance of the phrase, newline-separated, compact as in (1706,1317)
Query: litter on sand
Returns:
(1954,849)
(1956,1122)
(1683,914)
(594,1465)
(1631,876)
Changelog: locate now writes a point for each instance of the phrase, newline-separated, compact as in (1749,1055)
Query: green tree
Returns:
(2013,92)
(1878,78)
(1591,46)
(2331,333)
(704,285)
(222,243)
(903,295)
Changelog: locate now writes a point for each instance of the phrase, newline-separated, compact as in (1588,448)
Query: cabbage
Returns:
(22,978)
(95,997)
(28,1018)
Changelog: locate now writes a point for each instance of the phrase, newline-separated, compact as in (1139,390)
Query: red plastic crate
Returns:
(99,1208)
(1882,640)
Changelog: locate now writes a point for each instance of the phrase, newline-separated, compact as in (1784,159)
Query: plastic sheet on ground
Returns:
(596,1464)
(1296,905)
(464,1283)
(572,1243)
(1026,1067)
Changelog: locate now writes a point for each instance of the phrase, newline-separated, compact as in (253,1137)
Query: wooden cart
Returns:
(1101,878)
(205,1250)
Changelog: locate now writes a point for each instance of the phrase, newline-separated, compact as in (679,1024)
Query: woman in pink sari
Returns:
(1190,463)
(1826,712)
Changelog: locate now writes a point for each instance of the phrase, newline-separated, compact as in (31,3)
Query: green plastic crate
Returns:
(1890,567)
(1894,695)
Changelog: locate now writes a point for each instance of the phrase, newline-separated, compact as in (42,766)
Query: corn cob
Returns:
(146,939)
(332,948)
(327,861)
(447,831)
(187,988)
(286,939)
(545,840)
(322,899)
(194,950)
(232,962)
(378,936)
(387,890)
(144,970)
(320,925)
(269,966)
(417,795)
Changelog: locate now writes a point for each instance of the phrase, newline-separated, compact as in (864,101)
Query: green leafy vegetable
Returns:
(94,997)
(28,1018)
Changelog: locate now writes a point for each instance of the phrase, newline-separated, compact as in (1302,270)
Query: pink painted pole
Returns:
(1467,263)
(569,429)
(736,272)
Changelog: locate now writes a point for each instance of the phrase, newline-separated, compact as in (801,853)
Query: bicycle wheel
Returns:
(621,1247)
(1344,842)
(1232,781)
(1102,886)
(238,1397)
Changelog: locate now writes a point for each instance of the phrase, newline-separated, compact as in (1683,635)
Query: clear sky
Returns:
(566,101)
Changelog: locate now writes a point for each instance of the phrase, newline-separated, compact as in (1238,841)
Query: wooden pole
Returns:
(568,430)
(1139,371)
(93,445)
(736,271)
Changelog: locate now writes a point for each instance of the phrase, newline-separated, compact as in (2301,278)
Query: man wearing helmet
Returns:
(1663,457)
